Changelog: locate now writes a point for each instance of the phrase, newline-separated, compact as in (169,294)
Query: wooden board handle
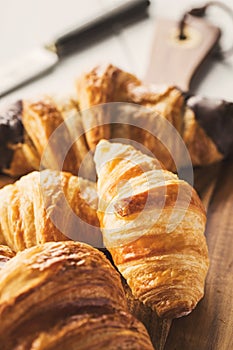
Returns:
(174,61)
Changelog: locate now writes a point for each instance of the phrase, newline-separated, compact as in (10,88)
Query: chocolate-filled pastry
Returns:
(25,131)
(205,125)
(48,206)
(65,295)
(12,137)
(153,225)
(215,116)
(5,254)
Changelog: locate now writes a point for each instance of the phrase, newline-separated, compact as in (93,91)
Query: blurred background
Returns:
(26,24)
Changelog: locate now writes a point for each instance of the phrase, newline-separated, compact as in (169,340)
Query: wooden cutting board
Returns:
(210,325)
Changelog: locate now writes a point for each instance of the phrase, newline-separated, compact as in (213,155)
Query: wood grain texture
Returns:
(210,325)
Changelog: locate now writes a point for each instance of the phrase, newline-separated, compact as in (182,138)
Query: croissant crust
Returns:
(153,225)
(48,206)
(68,297)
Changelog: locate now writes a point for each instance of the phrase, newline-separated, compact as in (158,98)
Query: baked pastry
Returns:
(205,125)
(48,206)
(26,130)
(101,85)
(152,224)
(5,254)
(68,297)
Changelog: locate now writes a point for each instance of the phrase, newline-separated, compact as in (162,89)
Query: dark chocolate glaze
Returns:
(216,118)
(11,132)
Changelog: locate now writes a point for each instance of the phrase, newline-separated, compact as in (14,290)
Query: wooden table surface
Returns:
(210,326)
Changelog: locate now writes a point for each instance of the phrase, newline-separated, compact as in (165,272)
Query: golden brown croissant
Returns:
(65,295)
(5,254)
(101,85)
(48,206)
(205,125)
(26,128)
(153,225)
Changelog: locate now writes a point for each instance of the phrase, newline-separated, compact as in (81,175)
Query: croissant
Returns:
(65,295)
(101,85)
(152,223)
(48,206)
(26,128)
(205,125)
(5,254)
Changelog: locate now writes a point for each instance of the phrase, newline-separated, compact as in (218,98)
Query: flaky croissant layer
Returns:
(205,125)
(48,206)
(5,254)
(65,295)
(153,225)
